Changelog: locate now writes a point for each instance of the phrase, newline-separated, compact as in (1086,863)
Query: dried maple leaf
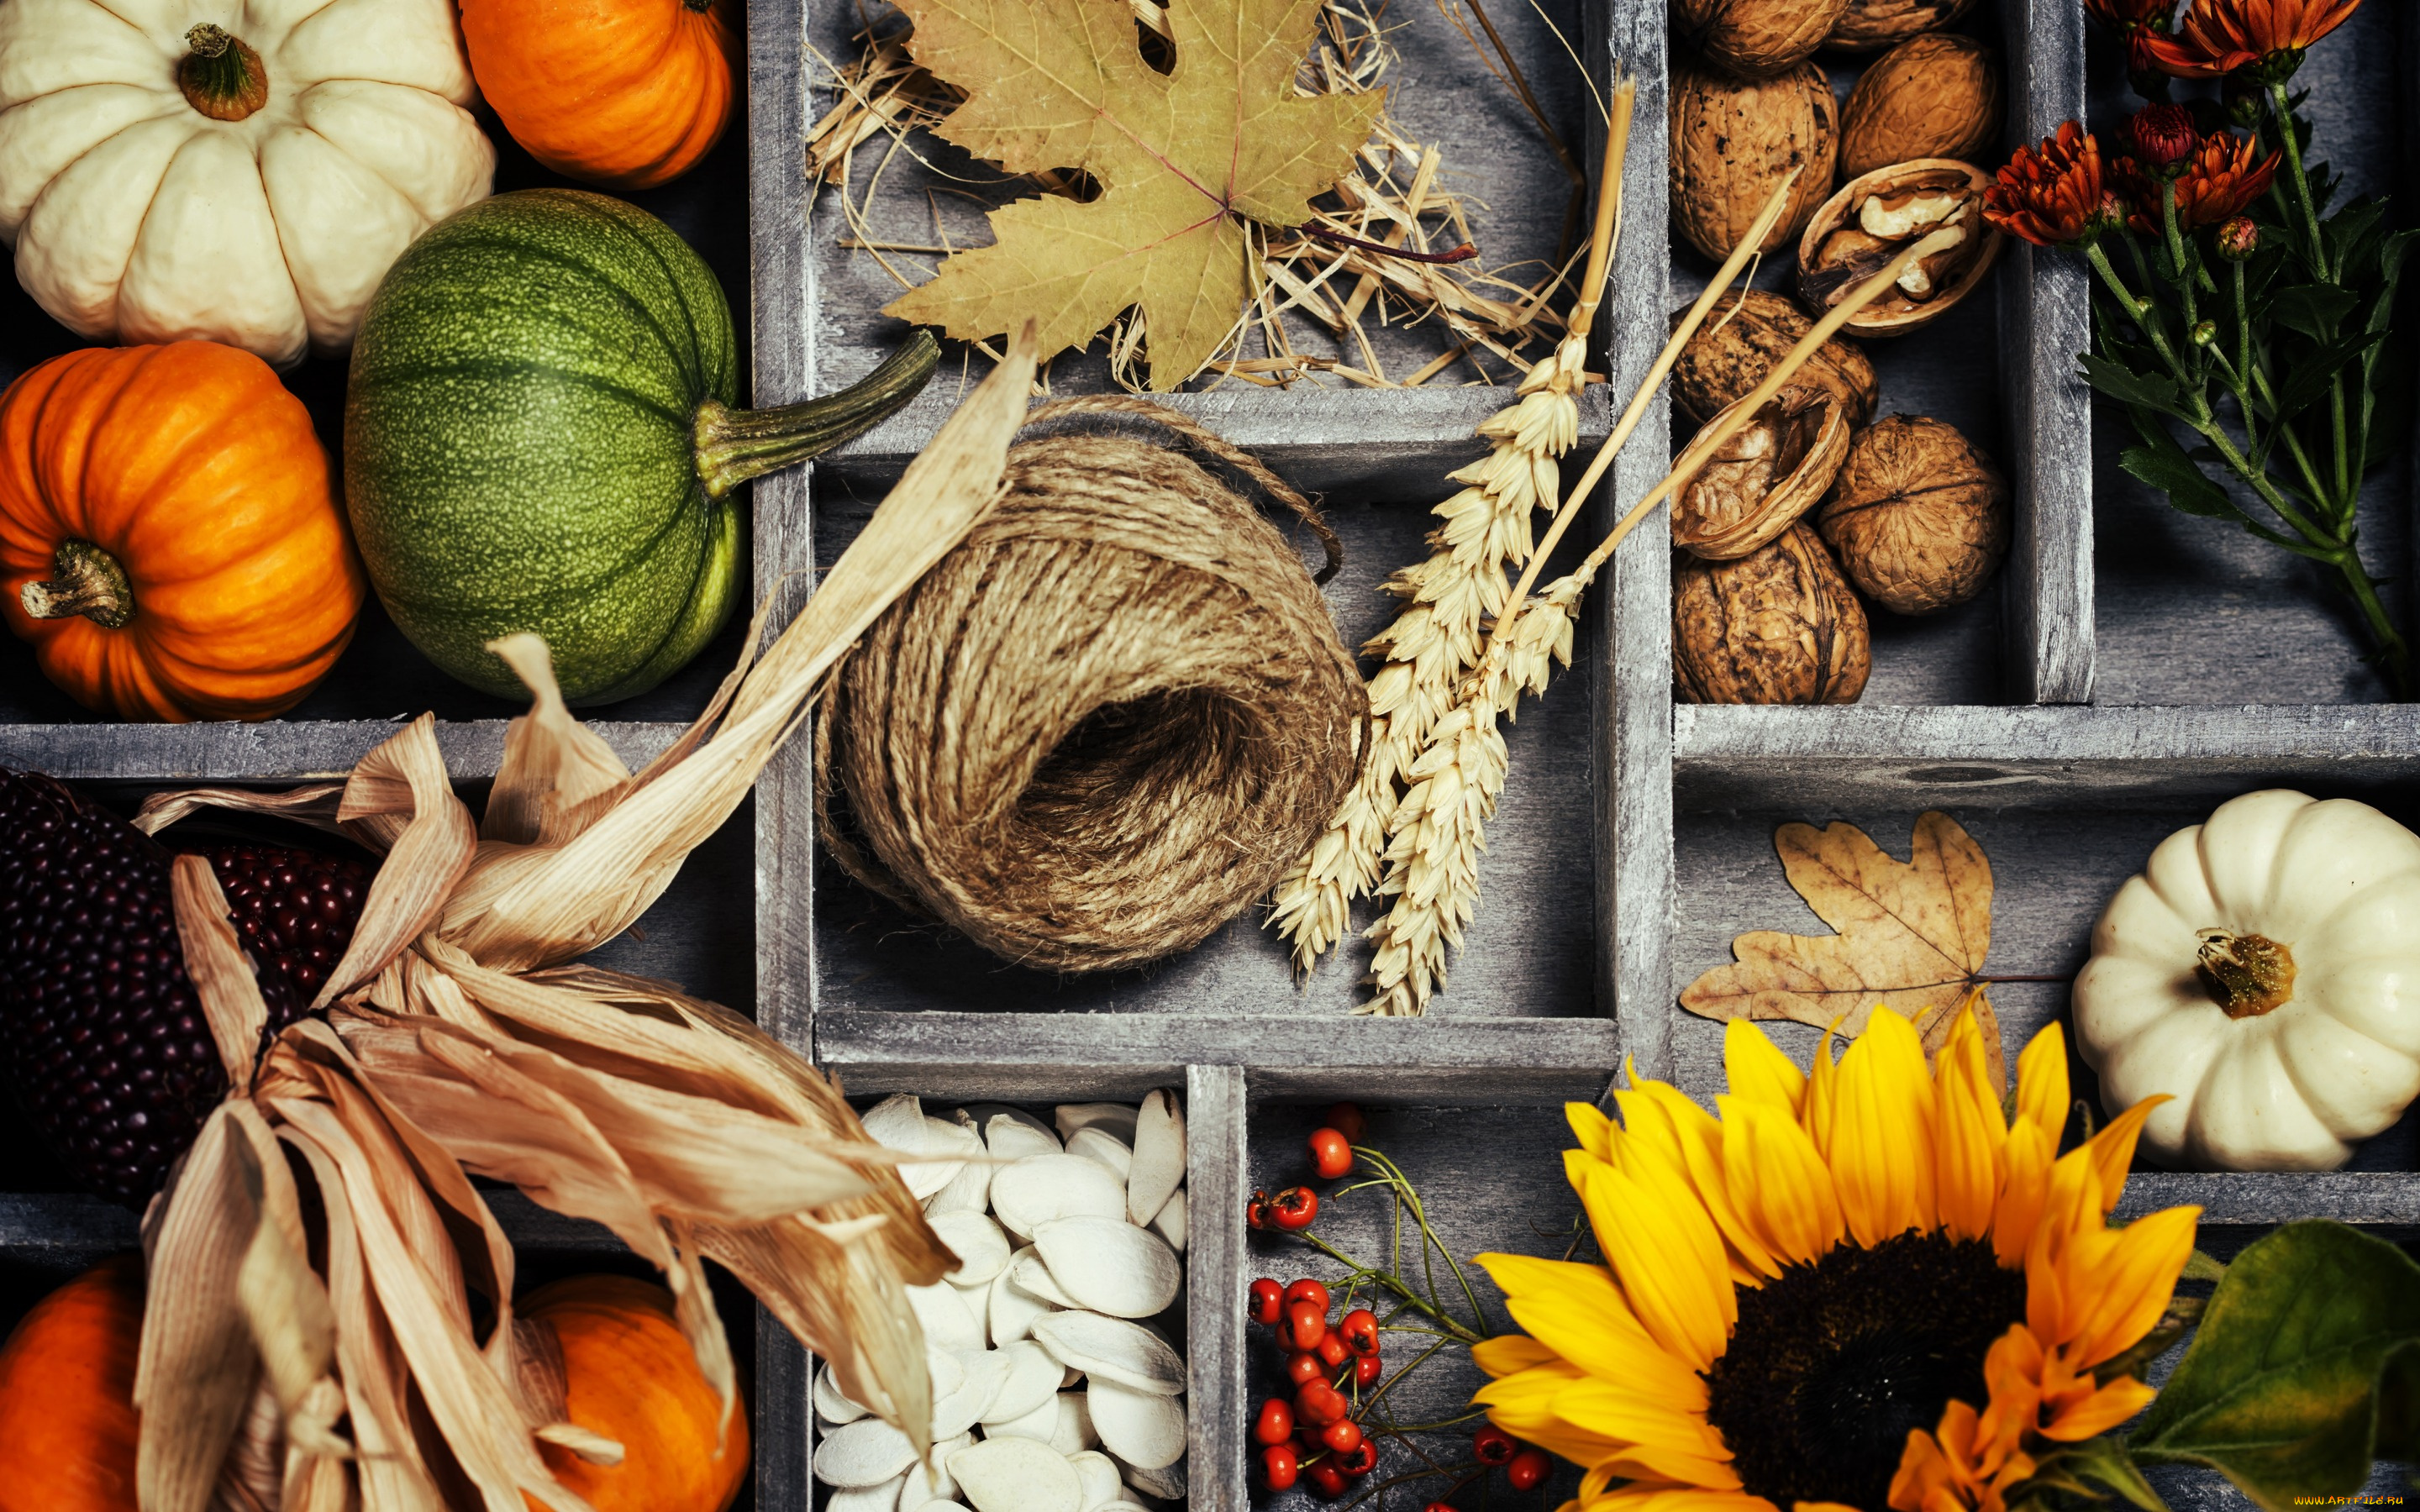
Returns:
(1912,938)
(1183,159)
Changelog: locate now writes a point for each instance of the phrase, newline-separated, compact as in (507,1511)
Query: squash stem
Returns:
(89,583)
(734,446)
(222,77)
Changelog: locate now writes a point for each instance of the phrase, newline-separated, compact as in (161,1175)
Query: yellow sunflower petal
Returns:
(1646,1496)
(1757,1069)
(2131,1286)
(1815,1110)
(2069,1242)
(1592,1128)
(1676,1446)
(1783,1187)
(1970,1137)
(1663,1249)
(1700,1141)
(2113,1148)
(2041,1083)
(1881,1127)
(1510,1352)
(2097,1414)
(1577,1312)
(1523,1405)
(2027,1159)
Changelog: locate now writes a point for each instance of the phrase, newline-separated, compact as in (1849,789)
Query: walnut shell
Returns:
(1937,201)
(1774,470)
(1744,336)
(1869,26)
(1919,516)
(1931,97)
(1776,626)
(1734,140)
(1756,38)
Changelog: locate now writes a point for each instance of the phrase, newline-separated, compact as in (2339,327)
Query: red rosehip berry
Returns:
(1294,1209)
(1494,1446)
(1279,1467)
(1343,1437)
(1360,1331)
(1439,1506)
(1346,1119)
(1360,1461)
(1302,1329)
(1529,1468)
(1307,1291)
(1332,1351)
(1305,1366)
(1328,1480)
(1367,1368)
(1331,1153)
(1256,1211)
(1317,1402)
(1276,1423)
(1268,1302)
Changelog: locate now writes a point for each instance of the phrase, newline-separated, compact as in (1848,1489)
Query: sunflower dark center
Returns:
(1833,1363)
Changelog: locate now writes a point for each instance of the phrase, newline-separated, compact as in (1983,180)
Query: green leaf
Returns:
(2316,310)
(2148,389)
(2307,375)
(2104,1463)
(2162,464)
(2281,1389)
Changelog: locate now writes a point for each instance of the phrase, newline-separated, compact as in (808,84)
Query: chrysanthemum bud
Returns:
(2164,137)
(2239,239)
(2204,332)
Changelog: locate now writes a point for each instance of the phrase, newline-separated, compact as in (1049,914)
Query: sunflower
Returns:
(1861,1288)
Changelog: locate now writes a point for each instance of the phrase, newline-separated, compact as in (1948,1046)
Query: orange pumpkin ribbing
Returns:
(68,1425)
(193,470)
(629,1375)
(626,93)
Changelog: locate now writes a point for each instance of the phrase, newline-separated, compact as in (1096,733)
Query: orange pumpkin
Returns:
(628,1374)
(67,1396)
(628,93)
(170,538)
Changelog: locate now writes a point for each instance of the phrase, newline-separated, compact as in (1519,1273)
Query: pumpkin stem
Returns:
(734,446)
(222,77)
(2247,975)
(89,583)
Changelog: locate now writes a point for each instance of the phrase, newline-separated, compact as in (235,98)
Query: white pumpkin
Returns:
(138,218)
(2305,916)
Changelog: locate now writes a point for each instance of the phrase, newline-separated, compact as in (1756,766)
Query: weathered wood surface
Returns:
(1217,1176)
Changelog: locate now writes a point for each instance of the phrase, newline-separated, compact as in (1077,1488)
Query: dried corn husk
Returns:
(462,1039)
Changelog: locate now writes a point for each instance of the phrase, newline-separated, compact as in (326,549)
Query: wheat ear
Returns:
(1439,828)
(1436,639)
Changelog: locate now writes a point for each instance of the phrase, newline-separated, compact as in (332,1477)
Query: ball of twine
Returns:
(1108,720)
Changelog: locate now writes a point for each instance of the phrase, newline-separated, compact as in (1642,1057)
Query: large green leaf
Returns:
(2150,389)
(2162,464)
(2316,310)
(2281,1388)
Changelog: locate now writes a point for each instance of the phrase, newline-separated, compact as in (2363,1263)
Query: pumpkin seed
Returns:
(868,1452)
(880,1498)
(1108,1265)
(948,1324)
(831,1404)
(1039,1188)
(1016,1138)
(1169,1225)
(969,1191)
(1099,1474)
(1074,1433)
(982,1249)
(1103,1149)
(1117,1117)
(958,1410)
(1029,1274)
(1031,1378)
(898,1123)
(1038,1423)
(983,1113)
(1017,1476)
(1143,1428)
(939,1506)
(1168,1484)
(1158,1167)
(922,1487)
(1010,1310)
(1112,1349)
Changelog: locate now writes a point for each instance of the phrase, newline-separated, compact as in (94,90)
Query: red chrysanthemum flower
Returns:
(2163,136)
(2219,36)
(2051,195)
(2138,21)
(2219,179)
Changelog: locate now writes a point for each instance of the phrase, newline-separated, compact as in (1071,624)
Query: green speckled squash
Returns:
(539,436)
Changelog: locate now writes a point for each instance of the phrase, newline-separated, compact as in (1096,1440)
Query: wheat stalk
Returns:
(1439,831)
(1449,597)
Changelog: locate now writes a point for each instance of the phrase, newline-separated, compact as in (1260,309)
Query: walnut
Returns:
(1930,97)
(1869,26)
(1733,142)
(1756,38)
(1744,336)
(1776,626)
(1772,471)
(1919,516)
(1933,203)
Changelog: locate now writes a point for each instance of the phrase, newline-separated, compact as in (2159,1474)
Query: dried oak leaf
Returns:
(1912,935)
(1183,159)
